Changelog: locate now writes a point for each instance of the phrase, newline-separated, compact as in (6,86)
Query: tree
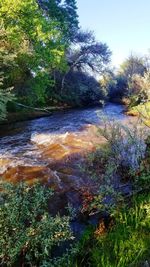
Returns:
(115,86)
(83,89)
(34,39)
(65,13)
(133,65)
(6,63)
(86,54)
(126,83)
(135,71)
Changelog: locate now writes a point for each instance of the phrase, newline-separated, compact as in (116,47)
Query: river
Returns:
(52,149)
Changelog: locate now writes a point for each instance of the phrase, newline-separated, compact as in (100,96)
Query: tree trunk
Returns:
(63,82)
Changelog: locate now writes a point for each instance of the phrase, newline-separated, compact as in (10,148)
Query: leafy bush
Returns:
(127,144)
(139,89)
(28,233)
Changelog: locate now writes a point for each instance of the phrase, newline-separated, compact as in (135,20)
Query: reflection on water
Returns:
(52,149)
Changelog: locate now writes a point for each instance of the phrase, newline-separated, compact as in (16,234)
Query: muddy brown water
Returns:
(53,149)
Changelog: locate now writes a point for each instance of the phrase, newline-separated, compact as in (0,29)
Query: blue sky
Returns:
(123,24)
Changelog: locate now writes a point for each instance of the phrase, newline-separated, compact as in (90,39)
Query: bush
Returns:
(127,144)
(28,233)
(139,89)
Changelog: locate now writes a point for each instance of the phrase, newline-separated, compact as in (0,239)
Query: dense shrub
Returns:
(139,89)
(28,233)
(126,143)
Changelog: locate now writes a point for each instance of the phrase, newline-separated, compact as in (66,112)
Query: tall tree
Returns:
(86,54)
(65,13)
(35,40)
(133,65)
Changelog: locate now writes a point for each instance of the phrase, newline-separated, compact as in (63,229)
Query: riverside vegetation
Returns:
(124,239)
(45,57)
(119,239)
(46,62)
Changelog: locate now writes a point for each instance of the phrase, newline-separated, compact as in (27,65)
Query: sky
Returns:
(124,25)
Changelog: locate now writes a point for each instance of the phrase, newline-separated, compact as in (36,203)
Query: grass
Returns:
(126,244)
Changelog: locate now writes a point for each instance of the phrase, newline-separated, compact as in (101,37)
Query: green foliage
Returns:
(127,144)
(127,243)
(34,42)
(29,32)
(28,233)
(5,97)
(124,158)
(84,56)
(139,89)
(65,13)
(38,89)
(133,65)
(82,89)
(116,86)
(120,247)
(41,38)
(66,260)
(130,85)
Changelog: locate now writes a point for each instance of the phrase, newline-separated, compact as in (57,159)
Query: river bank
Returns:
(53,149)
(47,146)
(30,113)
(61,152)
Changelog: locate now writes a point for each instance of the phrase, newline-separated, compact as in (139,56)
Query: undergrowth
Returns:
(123,240)
(29,235)
(126,243)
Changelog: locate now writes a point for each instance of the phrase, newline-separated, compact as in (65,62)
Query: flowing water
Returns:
(52,149)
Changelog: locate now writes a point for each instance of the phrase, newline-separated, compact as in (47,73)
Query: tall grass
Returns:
(126,244)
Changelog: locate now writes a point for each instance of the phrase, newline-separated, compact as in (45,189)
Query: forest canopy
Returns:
(40,46)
